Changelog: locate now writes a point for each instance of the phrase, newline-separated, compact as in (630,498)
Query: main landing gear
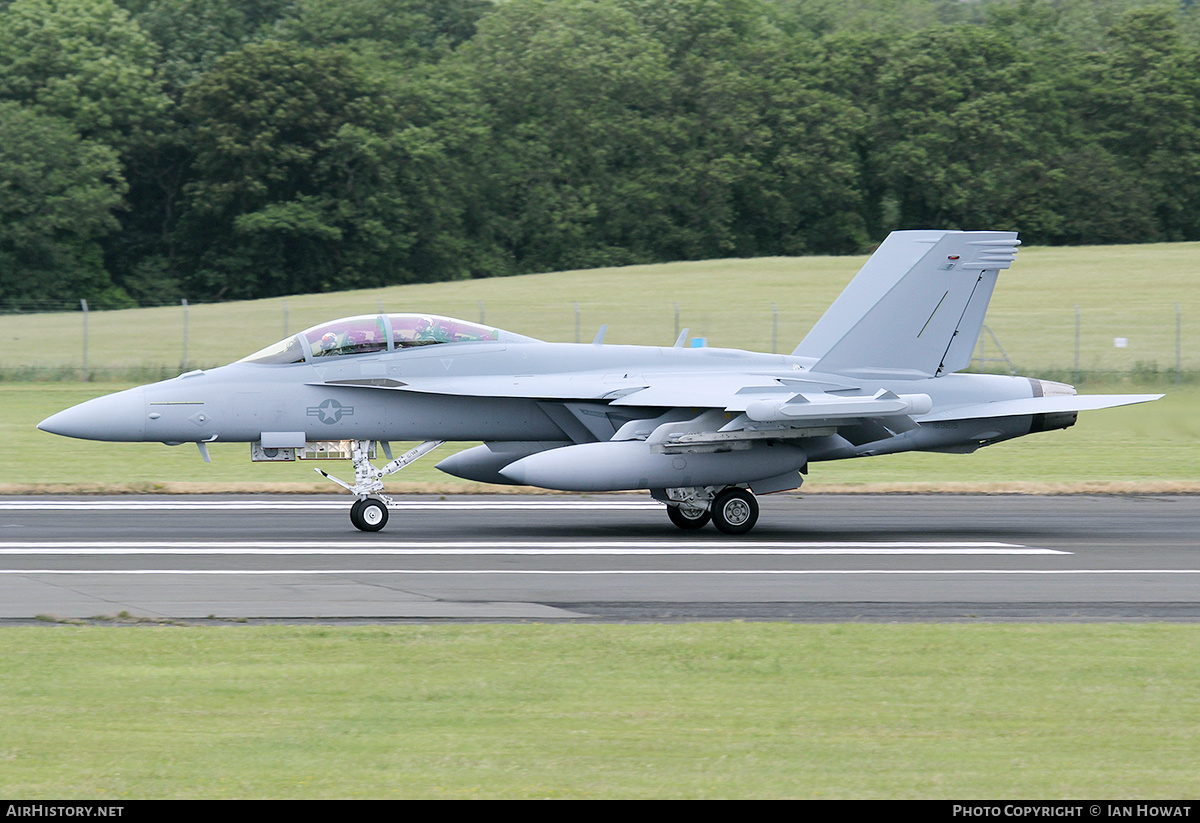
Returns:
(733,509)
(369,513)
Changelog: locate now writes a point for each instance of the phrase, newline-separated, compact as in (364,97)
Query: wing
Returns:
(715,411)
(725,390)
(686,411)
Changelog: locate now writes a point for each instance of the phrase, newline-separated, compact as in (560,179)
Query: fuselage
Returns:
(492,391)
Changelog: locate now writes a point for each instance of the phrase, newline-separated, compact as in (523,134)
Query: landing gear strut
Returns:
(733,509)
(369,513)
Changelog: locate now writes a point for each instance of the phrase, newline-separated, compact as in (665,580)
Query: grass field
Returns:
(694,711)
(1128,292)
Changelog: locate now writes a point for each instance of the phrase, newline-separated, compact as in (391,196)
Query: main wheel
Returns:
(369,515)
(734,511)
(687,521)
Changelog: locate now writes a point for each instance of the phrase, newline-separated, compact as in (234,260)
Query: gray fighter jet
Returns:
(703,429)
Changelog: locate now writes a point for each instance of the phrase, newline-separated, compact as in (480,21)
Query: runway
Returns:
(816,558)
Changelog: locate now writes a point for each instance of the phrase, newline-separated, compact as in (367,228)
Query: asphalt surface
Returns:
(816,558)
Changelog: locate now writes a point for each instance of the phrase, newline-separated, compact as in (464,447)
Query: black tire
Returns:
(355,514)
(734,511)
(369,515)
(681,519)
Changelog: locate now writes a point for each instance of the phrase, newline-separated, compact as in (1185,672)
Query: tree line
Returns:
(153,150)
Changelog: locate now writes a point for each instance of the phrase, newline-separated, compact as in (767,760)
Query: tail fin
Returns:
(916,307)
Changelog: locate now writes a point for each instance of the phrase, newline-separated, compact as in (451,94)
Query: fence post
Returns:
(774,329)
(1075,373)
(84,374)
(1178,343)
(577,322)
(183,363)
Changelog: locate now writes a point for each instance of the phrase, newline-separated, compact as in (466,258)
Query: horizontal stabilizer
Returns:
(1039,405)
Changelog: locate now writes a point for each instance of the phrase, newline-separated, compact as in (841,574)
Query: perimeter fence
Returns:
(1075,342)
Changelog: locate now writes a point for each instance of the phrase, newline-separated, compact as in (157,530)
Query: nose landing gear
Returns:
(369,513)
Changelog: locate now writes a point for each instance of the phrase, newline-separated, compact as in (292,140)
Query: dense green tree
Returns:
(1099,200)
(239,148)
(719,84)
(824,17)
(575,153)
(967,134)
(193,34)
(83,60)
(809,193)
(397,32)
(57,196)
(1036,25)
(300,170)
(1143,104)
(88,63)
(651,130)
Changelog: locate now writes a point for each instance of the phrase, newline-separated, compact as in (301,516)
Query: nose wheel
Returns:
(368,514)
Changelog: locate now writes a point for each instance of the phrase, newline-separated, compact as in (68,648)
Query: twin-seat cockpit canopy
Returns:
(374,333)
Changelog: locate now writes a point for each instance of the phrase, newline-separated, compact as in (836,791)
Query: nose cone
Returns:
(118,417)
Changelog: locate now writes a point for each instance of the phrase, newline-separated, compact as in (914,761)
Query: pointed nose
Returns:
(119,417)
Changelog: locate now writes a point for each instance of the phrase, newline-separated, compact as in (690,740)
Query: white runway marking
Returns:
(601,572)
(322,505)
(566,548)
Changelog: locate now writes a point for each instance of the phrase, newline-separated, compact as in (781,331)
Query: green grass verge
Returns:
(1149,447)
(1128,292)
(600,711)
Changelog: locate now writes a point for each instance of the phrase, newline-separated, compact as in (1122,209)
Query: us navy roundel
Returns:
(330,411)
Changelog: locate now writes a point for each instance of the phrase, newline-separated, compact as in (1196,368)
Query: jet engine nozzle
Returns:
(1052,388)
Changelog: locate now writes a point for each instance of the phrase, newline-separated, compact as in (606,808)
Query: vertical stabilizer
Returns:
(915,308)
